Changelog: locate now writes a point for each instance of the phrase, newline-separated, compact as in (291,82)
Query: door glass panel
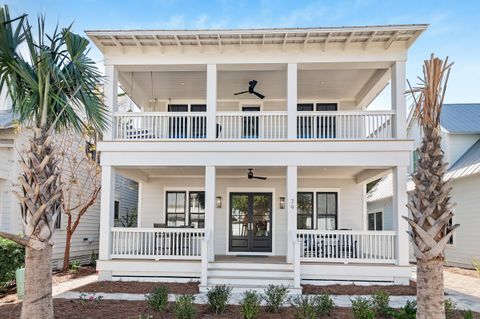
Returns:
(239,219)
(261,215)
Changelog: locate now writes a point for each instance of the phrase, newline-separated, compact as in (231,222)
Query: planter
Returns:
(20,281)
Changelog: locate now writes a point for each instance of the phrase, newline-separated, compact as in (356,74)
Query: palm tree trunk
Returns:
(430,289)
(38,302)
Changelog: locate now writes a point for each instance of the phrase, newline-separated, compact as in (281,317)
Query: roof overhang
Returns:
(383,36)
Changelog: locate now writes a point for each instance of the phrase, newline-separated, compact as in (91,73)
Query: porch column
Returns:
(292,100)
(106,211)
(398,80)
(211,101)
(210,208)
(291,210)
(111,92)
(399,210)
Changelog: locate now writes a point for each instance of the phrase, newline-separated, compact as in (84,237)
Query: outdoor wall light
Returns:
(219,201)
(282,202)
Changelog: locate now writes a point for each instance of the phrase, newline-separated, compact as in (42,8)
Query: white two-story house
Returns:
(252,150)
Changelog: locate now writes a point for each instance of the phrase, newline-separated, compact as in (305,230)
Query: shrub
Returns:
(12,257)
(305,307)
(158,299)
(468,314)
(250,304)
(323,305)
(275,296)
(362,308)
(409,311)
(476,264)
(450,307)
(218,298)
(185,307)
(381,303)
(74,265)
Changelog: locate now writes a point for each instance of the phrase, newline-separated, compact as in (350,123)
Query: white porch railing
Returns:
(160,125)
(345,125)
(157,243)
(252,125)
(347,246)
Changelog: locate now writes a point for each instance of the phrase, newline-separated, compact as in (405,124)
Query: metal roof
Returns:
(366,35)
(461,118)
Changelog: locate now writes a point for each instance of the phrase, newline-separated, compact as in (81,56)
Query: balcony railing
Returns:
(341,125)
(347,246)
(157,243)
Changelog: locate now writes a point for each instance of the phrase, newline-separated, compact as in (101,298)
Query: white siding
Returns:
(350,198)
(126,193)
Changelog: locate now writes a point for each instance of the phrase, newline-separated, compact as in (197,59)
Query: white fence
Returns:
(252,125)
(157,243)
(160,125)
(347,246)
(345,125)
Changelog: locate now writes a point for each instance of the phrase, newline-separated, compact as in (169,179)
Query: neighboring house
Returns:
(85,239)
(460,127)
(252,150)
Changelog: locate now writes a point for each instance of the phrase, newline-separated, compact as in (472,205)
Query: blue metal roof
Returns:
(461,118)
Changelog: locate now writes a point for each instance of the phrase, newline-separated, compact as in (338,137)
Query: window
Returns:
(326,211)
(176,202)
(415,158)
(316,127)
(450,224)
(250,122)
(58,221)
(116,210)
(304,210)
(326,125)
(375,221)
(197,209)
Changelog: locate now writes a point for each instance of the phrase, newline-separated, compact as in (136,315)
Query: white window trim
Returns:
(250,103)
(322,190)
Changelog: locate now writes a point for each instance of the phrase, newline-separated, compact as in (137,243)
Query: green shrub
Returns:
(362,308)
(381,303)
(409,311)
(476,264)
(74,265)
(305,307)
(218,298)
(468,314)
(158,299)
(185,307)
(250,304)
(274,297)
(323,305)
(12,257)
(450,307)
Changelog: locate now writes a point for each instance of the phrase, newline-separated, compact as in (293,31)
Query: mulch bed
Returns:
(393,290)
(463,271)
(136,287)
(65,308)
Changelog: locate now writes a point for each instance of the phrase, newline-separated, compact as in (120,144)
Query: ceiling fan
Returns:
(251,89)
(251,176)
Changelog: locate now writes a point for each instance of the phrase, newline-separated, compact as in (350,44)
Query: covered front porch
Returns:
(302,223)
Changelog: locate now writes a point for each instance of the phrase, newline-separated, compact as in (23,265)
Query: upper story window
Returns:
(313,126)
(187,126)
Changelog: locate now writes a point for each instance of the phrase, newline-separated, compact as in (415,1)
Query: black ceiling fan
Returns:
(251,176)
(251,89)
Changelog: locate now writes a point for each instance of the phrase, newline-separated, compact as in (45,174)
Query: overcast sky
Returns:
(454,25)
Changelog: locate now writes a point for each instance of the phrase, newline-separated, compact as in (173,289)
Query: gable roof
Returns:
(461,118)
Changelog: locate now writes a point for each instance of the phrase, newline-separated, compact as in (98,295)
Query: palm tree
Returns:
(430,201)
(53,86)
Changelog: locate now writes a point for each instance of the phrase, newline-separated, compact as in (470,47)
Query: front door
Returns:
(250,222)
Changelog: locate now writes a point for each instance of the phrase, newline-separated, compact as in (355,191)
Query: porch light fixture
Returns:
(282,202)
(219,201)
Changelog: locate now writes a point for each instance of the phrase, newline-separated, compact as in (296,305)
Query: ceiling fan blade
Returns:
(259,95)
(260,177)
(243,92)
(252,84)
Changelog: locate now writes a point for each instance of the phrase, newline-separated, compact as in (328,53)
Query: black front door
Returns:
(250,222)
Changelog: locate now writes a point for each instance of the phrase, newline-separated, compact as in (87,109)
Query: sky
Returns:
(454,25)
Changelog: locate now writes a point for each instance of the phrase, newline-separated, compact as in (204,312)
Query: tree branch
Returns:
(19,240)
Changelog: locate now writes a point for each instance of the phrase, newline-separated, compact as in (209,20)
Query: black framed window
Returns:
(304,210)
(375,221)
(116,210)
(250,123)
(327,210)
(198,124)
(177,124)
(197,209)
(304,123)
(176,207)
(326,125)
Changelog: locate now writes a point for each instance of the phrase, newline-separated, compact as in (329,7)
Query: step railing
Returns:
(347,246)
(157,243)
(251,125)
(160,125)
(345,125)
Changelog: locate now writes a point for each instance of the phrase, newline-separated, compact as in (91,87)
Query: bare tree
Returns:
(80,180)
